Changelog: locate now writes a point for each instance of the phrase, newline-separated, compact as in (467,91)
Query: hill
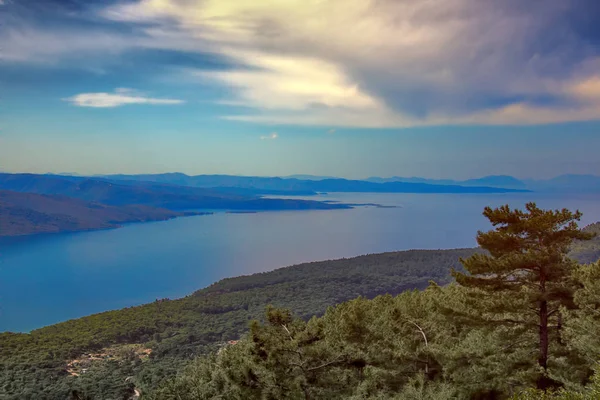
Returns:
(502,181)
(35,365)
(151,194)
(572,183)
(29,213)
(567,183)
(505,181)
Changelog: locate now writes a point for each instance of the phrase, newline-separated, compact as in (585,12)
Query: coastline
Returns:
(104,228)
(254,280)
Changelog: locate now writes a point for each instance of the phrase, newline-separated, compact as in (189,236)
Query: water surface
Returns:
(51,278)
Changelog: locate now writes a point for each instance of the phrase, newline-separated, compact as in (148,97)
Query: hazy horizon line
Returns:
(299,175)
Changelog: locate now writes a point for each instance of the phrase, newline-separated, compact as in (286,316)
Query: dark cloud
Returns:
(503,55)
(583,18)
(35,29)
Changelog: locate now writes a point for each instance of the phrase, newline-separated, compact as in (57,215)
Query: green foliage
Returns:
(477,339)
(34,365)
(582,324)
(590,392)
(401,347)
(523,281)
(381,348)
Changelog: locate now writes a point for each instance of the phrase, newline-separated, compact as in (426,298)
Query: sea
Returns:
(45,279)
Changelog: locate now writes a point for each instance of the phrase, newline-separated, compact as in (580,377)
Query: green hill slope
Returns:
(29,213)
(35,365)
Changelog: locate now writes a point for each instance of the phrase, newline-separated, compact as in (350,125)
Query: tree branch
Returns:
(288,331)
(339,359)
(420,330)
(553,312)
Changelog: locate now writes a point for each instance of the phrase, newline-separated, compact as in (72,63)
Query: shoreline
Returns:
(210,288)
(107,228)
(183,214)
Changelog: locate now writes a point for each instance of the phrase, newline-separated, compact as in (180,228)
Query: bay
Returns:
(51,278)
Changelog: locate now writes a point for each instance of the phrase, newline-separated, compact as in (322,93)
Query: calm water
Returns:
(47,279)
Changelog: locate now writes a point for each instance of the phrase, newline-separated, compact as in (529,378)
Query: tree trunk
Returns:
(558,328)
(543,358)
(306,392)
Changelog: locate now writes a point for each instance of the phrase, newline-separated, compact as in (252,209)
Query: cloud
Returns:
(290,83)
(331,131)
(385,62)
(364,63)
(33,45)
(588,88)
(121,97)
(271,136)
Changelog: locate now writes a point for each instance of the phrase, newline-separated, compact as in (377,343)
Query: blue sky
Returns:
(353,88)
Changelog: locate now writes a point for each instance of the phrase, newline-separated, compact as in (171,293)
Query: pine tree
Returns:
(525,276)
(582,326)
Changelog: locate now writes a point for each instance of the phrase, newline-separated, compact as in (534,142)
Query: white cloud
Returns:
(271,136)
(32,45)
(290,83)
(121,97)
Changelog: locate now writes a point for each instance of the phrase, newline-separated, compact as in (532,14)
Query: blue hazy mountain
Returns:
(505,181)
(277,185)
(308,177)
(376,179)
(152,194)
(563,183)
(567,183)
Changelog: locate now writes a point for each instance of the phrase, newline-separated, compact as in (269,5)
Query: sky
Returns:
(349,88)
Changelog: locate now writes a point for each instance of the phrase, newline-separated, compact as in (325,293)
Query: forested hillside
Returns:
(34,366)
(520,322)
(408,347)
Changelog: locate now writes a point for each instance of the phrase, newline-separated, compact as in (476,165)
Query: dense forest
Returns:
(410,346)
(476,338)
(34,366)
(520,321)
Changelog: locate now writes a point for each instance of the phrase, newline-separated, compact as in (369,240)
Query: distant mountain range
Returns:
(309,184)
(151,194)
(492,180)
(32,203)
(293,186)
(49,203)
(308,177)
(562,183)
